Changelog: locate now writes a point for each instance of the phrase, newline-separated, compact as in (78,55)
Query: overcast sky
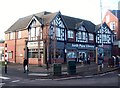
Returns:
(12,10)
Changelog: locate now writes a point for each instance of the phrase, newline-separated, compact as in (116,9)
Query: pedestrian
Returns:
(5,66)
(80,58)
(112,61)
(100,62)
(117,61)
(25,65)
(88,60)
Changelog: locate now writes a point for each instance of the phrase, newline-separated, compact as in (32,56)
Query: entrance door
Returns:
(83,55)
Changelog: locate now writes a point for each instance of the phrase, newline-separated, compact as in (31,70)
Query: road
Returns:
(106,79)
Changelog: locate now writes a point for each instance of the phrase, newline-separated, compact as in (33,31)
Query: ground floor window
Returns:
(59,53)
(10,54)
(71,54)
(33,53)
(91,53)
(107,53)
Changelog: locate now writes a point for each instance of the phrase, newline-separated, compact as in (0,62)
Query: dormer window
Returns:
(70,34)
(91,36)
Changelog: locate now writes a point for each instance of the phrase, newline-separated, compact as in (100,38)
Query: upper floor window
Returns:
(57,26)
(58,32)
(11,35)
(112,25)
(91,36)
(19,34)
(115,36)
(70,34)
(106,37)
(34,30)
(81,35)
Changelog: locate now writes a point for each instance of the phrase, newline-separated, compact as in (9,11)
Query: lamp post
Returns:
(39,42)
(102,46)
(54,34)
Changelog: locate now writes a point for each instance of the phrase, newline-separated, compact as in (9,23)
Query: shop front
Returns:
(107,49)
(80,52)
(33,52)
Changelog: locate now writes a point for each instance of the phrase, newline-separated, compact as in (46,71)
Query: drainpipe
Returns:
(15,47)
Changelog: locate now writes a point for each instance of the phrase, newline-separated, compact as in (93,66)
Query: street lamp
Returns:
(102,46)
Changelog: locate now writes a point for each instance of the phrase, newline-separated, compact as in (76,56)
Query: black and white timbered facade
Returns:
(104,39)
(61,38)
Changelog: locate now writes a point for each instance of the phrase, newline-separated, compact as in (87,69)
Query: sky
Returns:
(12,10)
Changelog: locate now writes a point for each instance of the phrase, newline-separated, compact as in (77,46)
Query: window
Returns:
(33,33)
(79,35)
(9,54)
(70,34)
(58,32)
(11,35)
(115,36)
(112,25)
(104,38)
(91,36)
(19,34)
(37,31)
(84,36)
(60,28)
(33,53)
(59,54)
(71,55)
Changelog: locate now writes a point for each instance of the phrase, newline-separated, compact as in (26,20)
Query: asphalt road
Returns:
(106,79)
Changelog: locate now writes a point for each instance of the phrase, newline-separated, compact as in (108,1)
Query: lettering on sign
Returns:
(35,44)
(83,46)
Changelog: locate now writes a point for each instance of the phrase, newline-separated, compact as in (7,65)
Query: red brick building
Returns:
(2,50)
(53,37)
(112,18)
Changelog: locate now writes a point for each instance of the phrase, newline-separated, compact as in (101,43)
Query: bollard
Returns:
(5,66)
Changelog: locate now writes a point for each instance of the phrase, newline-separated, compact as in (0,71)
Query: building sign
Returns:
(105,46)
(82,46)
(32,45)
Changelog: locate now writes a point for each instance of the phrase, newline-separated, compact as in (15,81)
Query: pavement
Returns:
(40,72)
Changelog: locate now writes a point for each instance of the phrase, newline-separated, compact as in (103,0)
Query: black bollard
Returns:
(5,66)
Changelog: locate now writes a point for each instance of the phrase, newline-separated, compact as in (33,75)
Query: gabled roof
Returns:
(47,17)
(75,23)
(22,23)
(116,13)
(103,25)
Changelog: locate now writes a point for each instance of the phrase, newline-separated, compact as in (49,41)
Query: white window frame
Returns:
(11,35)
(112,25)
(58,32)
(70,34)
(19,34)
(91,37)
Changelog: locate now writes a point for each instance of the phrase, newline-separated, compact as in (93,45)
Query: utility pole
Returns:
(102,46)
(54,42)
(39,59)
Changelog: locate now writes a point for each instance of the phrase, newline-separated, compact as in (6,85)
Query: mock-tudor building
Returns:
(104,40)
(52,37)
(112,18)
